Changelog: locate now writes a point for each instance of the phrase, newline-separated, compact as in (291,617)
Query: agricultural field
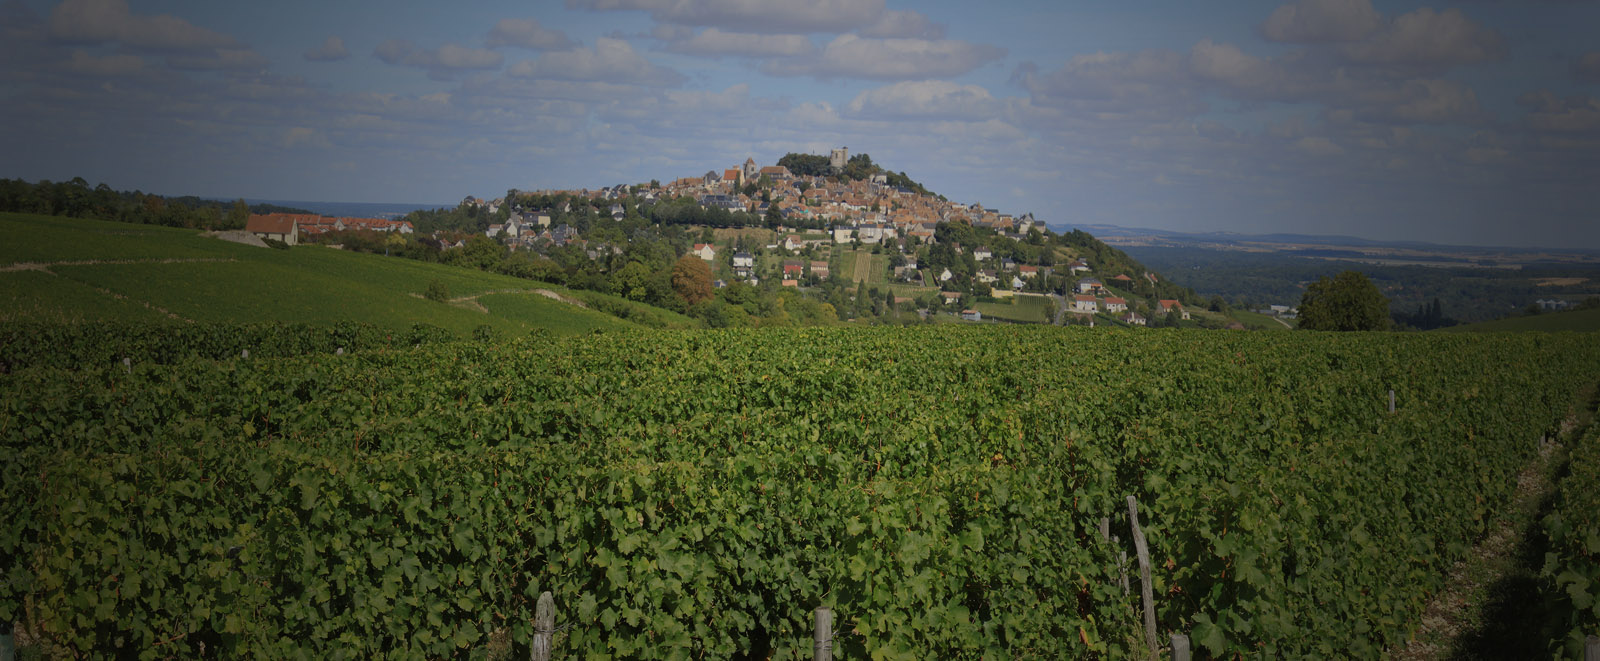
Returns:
(1552,322)
(1027,309)
(58,269)
(963,494)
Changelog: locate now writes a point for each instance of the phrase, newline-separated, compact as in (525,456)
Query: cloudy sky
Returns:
(1471,123)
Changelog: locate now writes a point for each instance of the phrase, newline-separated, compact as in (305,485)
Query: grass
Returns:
(540,311)
(269,291)
(34,238)
(40,296)
(1572,320)
(1030,309)
(310,284)
(1258,321)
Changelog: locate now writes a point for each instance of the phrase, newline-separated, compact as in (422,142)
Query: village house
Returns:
(705,251)
(1078,266)
(793,242)
(278,227)
(950,296)
(1085,303)
(1089,286)
(981,253)
(1115,304)
(819,269)
(1165,306)
(1133,319)
(793,268)
(1027,271)
(971,315)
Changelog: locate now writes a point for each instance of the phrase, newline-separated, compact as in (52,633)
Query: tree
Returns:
(1348,301)
(239,215)
(691,279)
(631,281)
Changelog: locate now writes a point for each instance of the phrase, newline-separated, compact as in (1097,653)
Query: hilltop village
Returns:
(845,238)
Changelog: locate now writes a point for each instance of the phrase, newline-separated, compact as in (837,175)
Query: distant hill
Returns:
(69,270)
(1573,320)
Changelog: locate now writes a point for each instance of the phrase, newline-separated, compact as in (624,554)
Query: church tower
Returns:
(839,157)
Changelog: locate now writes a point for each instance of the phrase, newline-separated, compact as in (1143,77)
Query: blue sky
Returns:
(1473,123)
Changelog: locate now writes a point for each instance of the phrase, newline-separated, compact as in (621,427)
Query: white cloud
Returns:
(223,59)
(332,49)
(526,33)
(610,61)
(903,24)
(1549,113)
(1226,64)
(762,16)
(929,99)
(1426,39)
(1322,21)
(1587,67)
(440,63)
(110,66)
(713,42)
(103,21)
(1318,146)
(850,56)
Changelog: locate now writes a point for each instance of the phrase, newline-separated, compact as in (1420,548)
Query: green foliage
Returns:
(75,199)
(1347,302)
(682,494)
(97,345)
(1572,564)
(437,291)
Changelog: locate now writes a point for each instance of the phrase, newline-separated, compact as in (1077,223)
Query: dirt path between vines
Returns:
(45,266)
(1457,619)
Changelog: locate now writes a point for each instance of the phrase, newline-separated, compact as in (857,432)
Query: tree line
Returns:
(76,199)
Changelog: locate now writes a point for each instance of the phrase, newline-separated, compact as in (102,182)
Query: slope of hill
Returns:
(1575,320)
(66,269)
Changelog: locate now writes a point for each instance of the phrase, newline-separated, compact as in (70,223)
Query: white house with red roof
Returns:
(705,251)
(277,226)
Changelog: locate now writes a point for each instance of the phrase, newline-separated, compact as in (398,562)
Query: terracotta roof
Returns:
(277,223)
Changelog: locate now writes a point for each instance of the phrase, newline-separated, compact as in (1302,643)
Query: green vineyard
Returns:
(698,494)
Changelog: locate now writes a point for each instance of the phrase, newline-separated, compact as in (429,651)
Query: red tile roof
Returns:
(277,223)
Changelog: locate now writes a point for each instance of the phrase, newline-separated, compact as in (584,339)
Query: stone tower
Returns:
(839,157)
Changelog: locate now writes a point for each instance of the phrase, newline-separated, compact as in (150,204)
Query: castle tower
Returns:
(839,157)
(750,169)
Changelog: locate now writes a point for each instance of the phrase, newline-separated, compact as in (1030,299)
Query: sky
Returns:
(1474,123)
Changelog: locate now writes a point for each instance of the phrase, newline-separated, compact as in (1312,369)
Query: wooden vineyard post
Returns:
(1146,591)
(1391,400)
(544,627)
(822,637)
(1180,647)
(1591,649)
(127,365)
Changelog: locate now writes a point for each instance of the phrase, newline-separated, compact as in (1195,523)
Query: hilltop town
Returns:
(837,230)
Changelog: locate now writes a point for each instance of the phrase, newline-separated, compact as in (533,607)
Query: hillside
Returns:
(71,270)
(1574,320)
